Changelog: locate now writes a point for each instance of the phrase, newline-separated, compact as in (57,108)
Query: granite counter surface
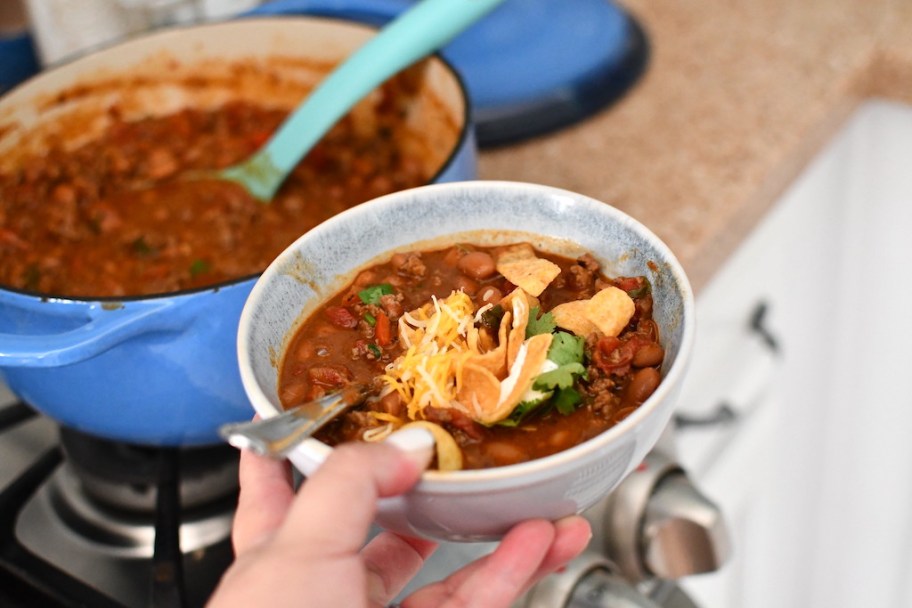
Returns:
(737,98)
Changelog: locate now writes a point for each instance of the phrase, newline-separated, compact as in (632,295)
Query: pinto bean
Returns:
(395,280)
(504,453)
(561,439)
(452,256)
(648,355)
(467,285)
(490,295)
(477,265)
(365,278)
(293,393)
(622,413)
(642,384)
(392,404)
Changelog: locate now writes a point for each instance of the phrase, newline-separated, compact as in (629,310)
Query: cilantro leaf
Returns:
(31,276)
(562,377)
(640,291)
(141,247)
(539,325)
(566,348)
(199,267)
(371,295)
(491,317)
(566,400)
(521,411)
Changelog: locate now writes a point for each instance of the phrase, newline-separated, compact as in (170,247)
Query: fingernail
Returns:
(416,443)
(573,521)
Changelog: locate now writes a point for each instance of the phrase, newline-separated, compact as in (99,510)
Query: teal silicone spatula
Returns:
(421,30)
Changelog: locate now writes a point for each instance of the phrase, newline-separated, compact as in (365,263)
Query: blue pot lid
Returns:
(531,66)
(18,60)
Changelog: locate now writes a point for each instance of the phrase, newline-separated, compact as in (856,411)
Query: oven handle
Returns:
(758,371)
(107,325)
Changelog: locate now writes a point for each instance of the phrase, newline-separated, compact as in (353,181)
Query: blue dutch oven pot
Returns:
(157,370)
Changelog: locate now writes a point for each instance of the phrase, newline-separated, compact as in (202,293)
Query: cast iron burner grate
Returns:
(30,579)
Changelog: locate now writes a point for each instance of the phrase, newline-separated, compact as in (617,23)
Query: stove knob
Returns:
(589,581)
(657,524)
(683,532)
(602,589)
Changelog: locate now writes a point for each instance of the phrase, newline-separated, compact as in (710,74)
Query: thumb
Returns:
(334,509)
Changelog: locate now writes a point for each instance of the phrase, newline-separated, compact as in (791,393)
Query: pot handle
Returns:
(106,327)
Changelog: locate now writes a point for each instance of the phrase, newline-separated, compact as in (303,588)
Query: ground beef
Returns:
(392,304)
(599,394)
(455,419)
(582,275)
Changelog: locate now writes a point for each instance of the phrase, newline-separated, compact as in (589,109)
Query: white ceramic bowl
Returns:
(476,504)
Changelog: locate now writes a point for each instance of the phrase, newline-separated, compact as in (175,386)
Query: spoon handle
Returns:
(277,435)
(416,33)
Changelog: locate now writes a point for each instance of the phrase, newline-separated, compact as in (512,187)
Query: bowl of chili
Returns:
(540,335)
(122,283)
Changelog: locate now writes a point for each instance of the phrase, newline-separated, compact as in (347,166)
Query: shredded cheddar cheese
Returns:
(435,337)
(449,364)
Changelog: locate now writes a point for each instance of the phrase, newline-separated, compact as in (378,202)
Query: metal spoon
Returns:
(427,26)
(276,436)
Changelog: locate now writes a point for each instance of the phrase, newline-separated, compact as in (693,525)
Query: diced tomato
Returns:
(329,375)
(8,237)
(613,355)
(341,317)
(628,283)
(382,329)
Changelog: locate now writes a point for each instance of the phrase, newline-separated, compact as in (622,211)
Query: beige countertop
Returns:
(736,100)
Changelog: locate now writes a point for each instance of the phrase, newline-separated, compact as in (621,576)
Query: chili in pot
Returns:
(116,216)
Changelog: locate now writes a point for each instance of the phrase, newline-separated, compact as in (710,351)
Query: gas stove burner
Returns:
(66,507)
(79,548)
(92,522)
(125,476)
(531,66)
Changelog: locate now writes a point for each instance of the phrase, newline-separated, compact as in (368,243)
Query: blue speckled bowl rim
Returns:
(356,222)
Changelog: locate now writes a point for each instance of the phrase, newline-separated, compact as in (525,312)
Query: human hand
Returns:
(308,550)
